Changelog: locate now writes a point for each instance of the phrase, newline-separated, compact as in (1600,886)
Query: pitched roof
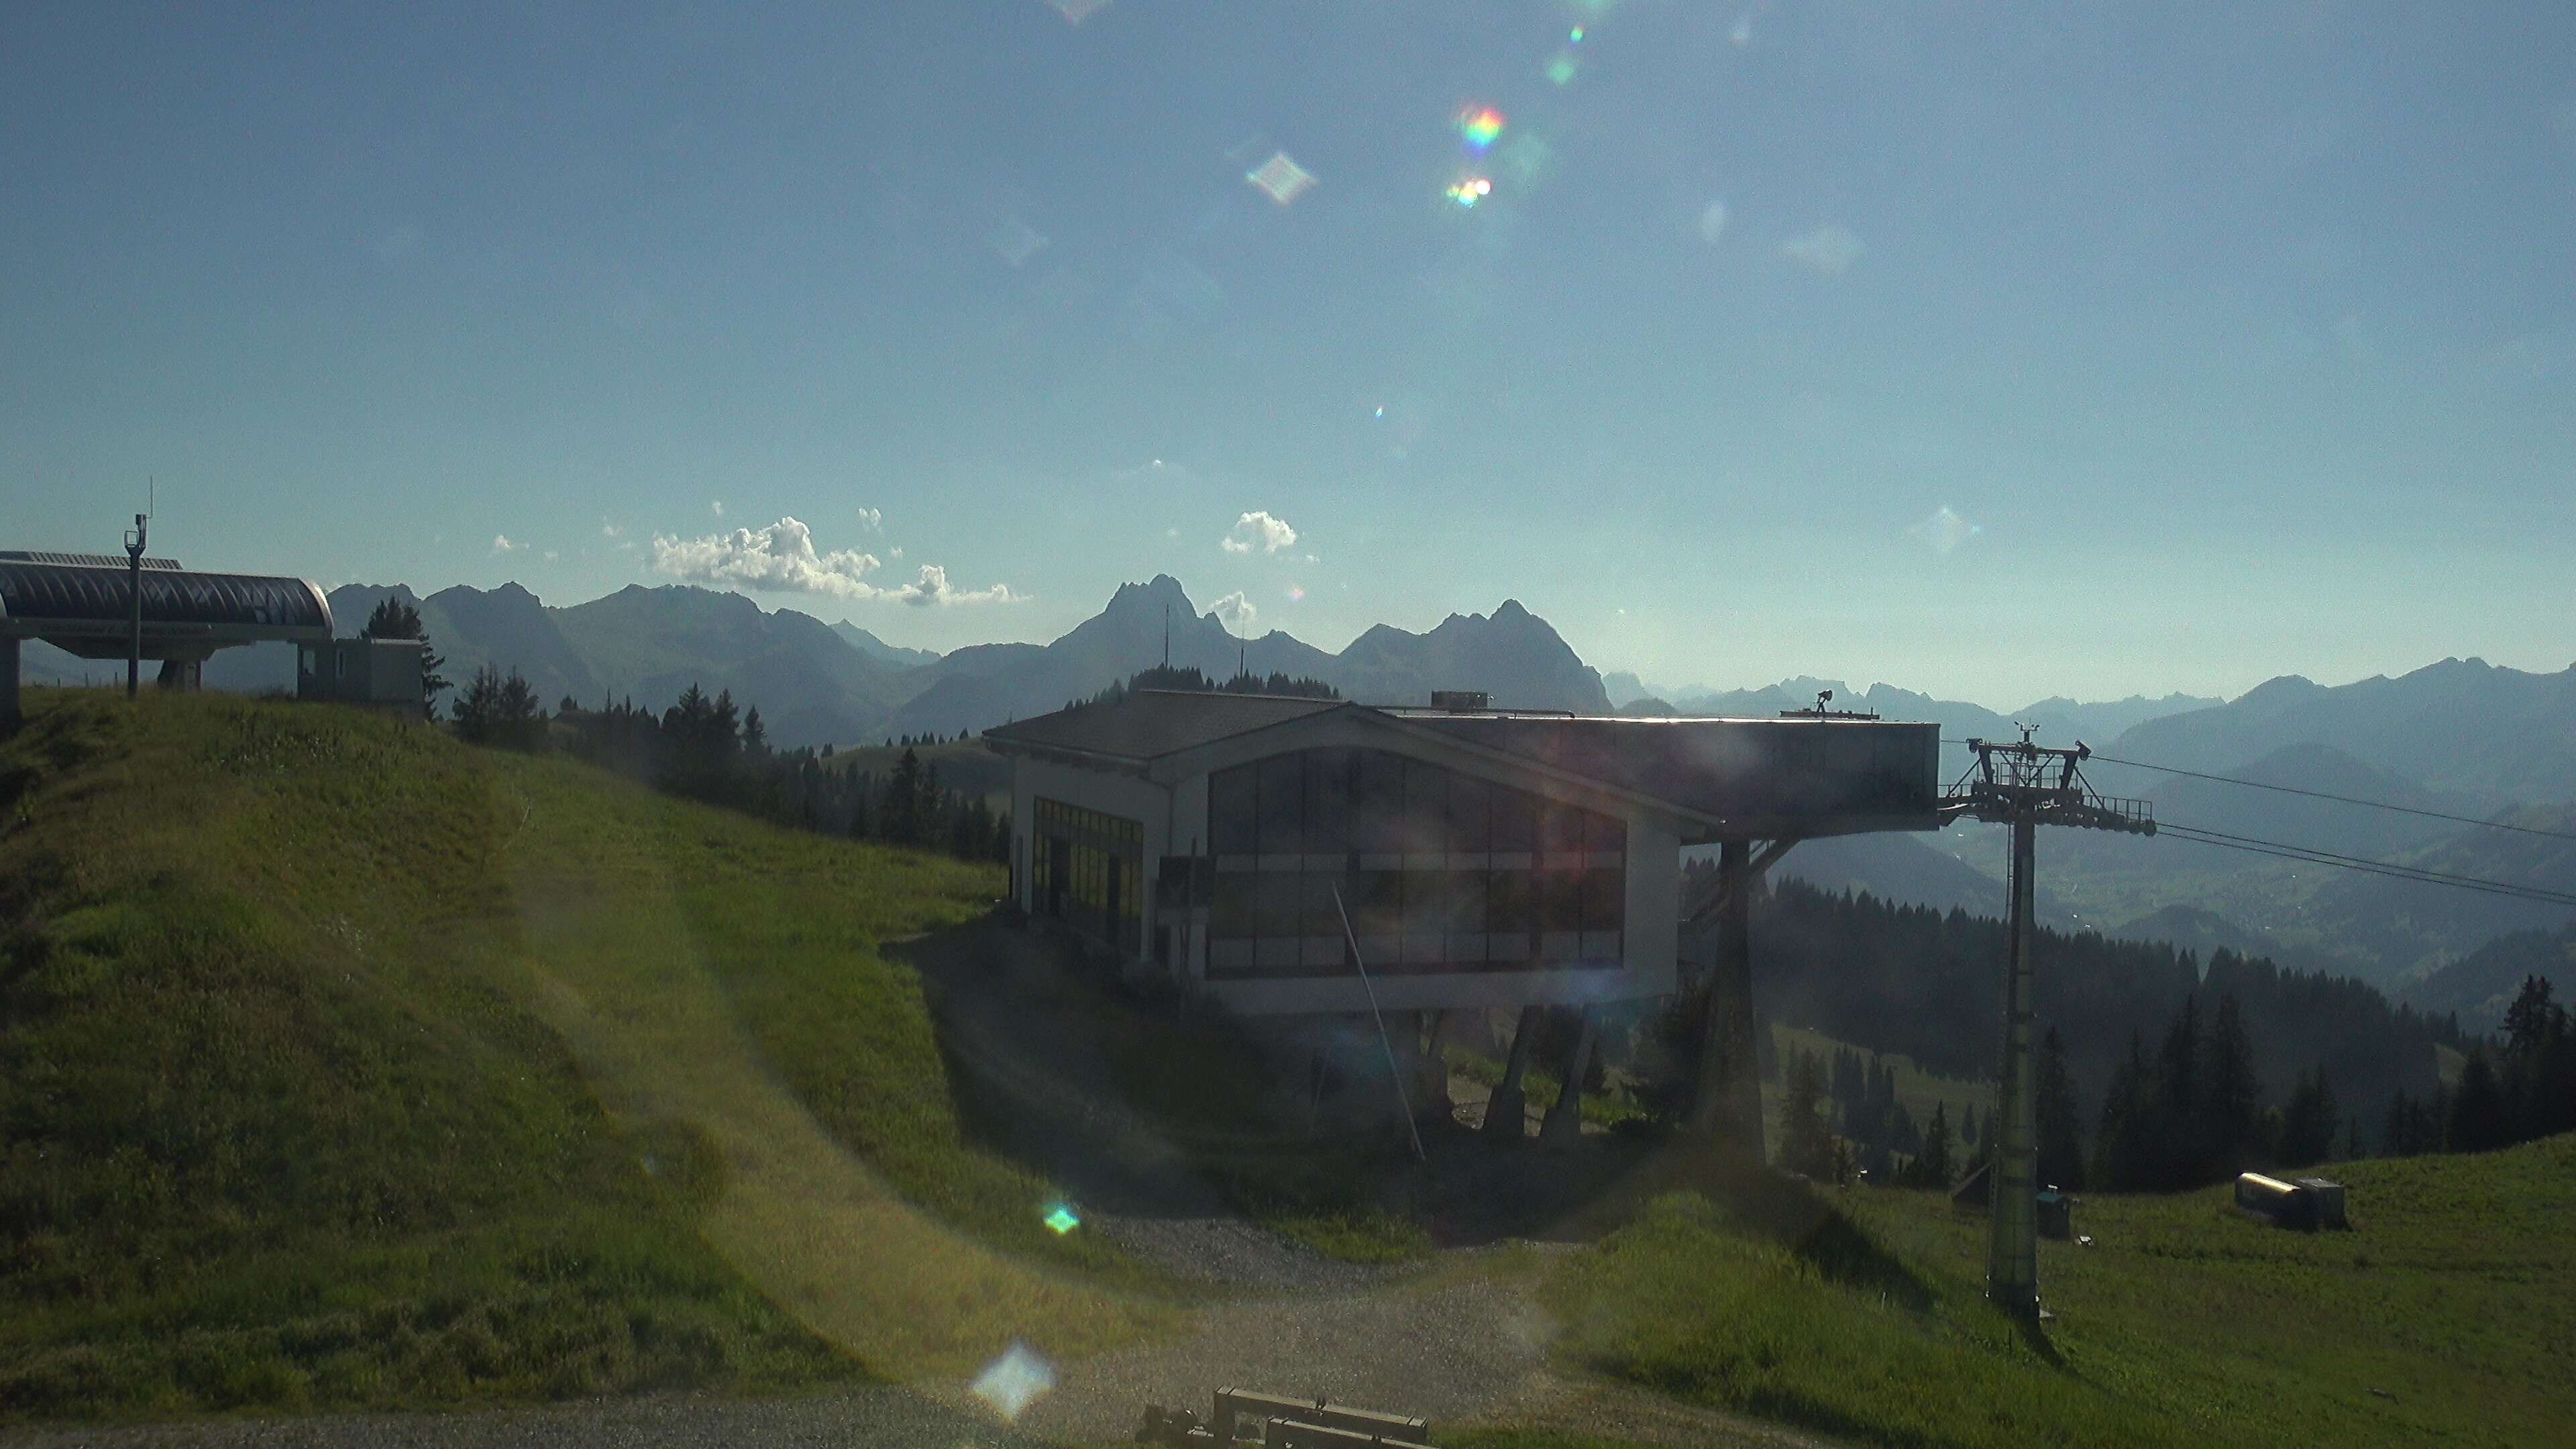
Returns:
(1151,723)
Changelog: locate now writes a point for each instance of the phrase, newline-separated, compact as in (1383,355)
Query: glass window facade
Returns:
(1440,871)
(1087,869)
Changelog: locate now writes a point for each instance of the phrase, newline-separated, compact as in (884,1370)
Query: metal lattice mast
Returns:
(2025,786)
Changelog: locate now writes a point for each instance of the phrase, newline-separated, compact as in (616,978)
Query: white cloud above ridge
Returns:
(931,588)
(501,544)
(1236,612)
(1260,531)
(782,558)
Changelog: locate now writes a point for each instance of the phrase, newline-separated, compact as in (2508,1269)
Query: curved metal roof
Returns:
(45,599)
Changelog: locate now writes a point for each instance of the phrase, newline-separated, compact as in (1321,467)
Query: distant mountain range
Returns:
(2460,738)
(1512,655)
(878,649)
(818,683)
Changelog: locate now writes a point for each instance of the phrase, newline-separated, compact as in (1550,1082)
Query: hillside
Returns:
(2480,985)
(343,1066)
(2442,1318)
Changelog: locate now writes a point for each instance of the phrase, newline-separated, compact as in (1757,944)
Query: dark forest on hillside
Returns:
(1928,984)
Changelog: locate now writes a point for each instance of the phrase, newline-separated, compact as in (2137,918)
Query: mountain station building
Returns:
(1301,856)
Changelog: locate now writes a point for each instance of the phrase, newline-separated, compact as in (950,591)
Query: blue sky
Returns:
(1995,351)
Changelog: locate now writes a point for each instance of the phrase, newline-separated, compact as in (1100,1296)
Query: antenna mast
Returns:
(134,603)
(2026,786)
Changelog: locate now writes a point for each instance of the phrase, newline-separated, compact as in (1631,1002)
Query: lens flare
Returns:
(1296,595)
(1014,1381)
(1561,70)
(1281,179)
(1480,125)
(1060,1217)
(1468,190)
(1576,37)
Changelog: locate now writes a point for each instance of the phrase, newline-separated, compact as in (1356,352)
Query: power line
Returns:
(2417,874)
(2343,799)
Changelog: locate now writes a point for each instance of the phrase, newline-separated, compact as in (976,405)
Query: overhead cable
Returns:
(2328,795)
(2417,874)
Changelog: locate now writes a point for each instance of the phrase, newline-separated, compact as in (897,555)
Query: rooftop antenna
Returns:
(1167,636)
(134,600)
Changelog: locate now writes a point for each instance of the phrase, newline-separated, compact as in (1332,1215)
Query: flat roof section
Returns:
(1754,777)
(1151,723)
(1831,772)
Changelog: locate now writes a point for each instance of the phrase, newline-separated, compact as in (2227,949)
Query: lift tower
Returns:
(2025,786)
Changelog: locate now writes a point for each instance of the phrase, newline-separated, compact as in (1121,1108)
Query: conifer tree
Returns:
(2479,1120)
(2061,1133)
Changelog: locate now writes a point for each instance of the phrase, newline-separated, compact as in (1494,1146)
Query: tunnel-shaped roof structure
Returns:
(86,606)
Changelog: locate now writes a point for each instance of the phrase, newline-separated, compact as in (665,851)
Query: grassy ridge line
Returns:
(2443,1319)
(281,1125)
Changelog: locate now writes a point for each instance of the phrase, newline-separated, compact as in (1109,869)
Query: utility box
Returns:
(2306,1203)
(1461,701)
(383,673)
(2327,1198)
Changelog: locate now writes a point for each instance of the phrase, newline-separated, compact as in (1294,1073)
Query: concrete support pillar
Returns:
(1431,1102)
(1507,1111)
(1728,1102)
(1563,1125)
(9,716)
(188,675)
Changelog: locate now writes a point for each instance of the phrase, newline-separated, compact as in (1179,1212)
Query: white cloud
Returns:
(1945,530)
(718,505)
(501,544)
(1258,531)
(931,587)
(896,554)
(551,555)
(1172,532)
(874,518)
(781,556)
(1235,612)
(1828,251)
(1712,222)
(611,530)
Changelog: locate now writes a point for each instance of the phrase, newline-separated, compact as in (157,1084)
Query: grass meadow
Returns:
(2445,1317)
(342,1066)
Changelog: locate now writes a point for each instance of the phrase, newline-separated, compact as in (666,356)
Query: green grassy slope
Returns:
(333,1071)
(2445,1318)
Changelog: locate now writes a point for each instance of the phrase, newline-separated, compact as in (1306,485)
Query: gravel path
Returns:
(1218,1249)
